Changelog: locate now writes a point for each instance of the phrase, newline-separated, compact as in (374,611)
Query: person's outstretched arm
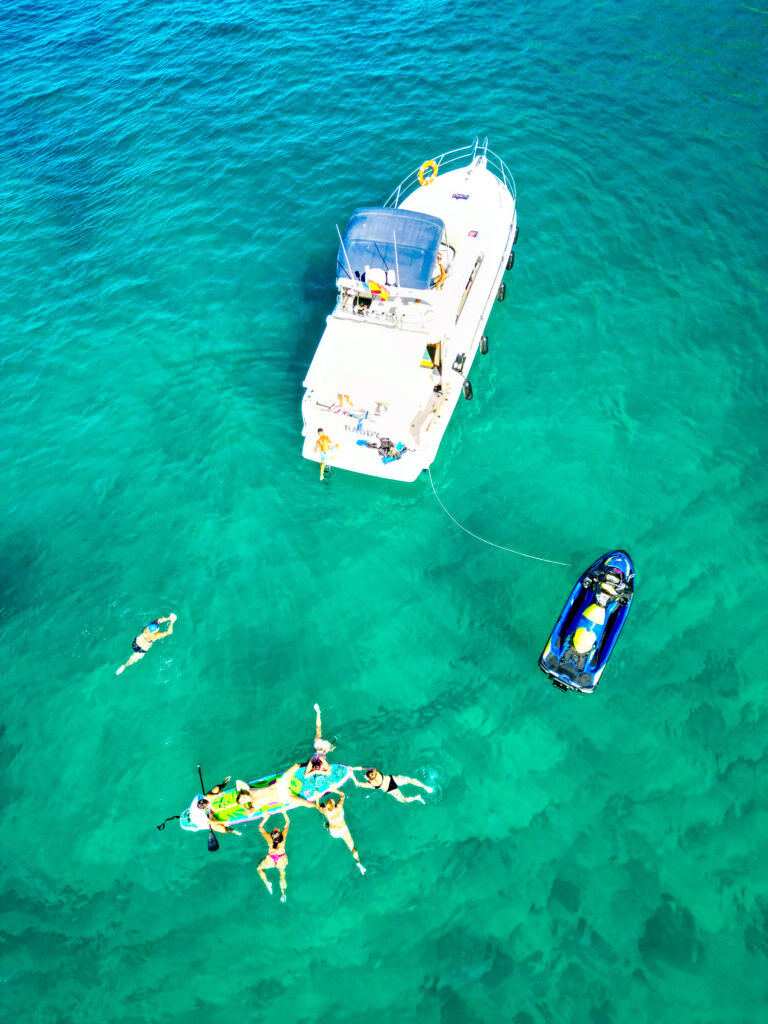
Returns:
(218,787)
(168,618)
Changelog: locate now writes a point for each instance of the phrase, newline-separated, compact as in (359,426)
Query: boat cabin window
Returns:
(399,240)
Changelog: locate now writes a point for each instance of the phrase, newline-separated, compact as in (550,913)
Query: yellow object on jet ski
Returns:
(583,640)
(595,614)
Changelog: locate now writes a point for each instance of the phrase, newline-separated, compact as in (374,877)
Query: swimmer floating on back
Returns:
(146,638)
(390,784)
(277,857)
(334,821)
(318,764)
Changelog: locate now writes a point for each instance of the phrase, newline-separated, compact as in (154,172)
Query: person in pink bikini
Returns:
(277,857)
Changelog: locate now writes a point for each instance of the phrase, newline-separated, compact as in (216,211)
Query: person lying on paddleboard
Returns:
(277,857)
(203,815)
(337,826)
(149,635)
(390,784)
(278,792)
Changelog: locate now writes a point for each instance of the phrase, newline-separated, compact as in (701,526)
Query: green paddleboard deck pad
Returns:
(230,812)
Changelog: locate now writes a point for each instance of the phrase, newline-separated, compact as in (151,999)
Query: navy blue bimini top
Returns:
(370,241)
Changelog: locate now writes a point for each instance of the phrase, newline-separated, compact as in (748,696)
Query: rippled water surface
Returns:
(170,182)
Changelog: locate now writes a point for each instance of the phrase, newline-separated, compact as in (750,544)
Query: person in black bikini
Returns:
(390,784)
(146,638)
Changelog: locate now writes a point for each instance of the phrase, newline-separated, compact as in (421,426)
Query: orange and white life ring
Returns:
(428,165)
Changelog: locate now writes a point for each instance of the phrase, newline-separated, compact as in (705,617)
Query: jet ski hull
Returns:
(589,625)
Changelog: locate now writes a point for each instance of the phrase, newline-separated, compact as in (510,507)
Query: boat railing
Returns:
(452,159)
(407,309)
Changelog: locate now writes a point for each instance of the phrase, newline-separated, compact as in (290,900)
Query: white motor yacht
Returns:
(417,279)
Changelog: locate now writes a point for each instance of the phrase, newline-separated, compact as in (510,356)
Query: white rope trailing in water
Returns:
(512,551)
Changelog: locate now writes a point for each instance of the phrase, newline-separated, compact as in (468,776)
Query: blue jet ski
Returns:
(590,623)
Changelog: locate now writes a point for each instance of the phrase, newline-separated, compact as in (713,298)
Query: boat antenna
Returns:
(397,267)
(349,266)
(383,257)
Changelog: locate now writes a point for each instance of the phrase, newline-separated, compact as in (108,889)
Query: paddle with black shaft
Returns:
(213,842)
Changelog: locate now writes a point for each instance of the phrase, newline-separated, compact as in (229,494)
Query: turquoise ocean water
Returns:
(170,182)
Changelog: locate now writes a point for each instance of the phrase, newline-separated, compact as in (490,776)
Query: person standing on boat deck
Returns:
(334,821)
(277,857)
(324,445)
(146,638)
(374,779)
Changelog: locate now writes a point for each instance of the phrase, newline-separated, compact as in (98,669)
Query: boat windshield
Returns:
(401,244)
